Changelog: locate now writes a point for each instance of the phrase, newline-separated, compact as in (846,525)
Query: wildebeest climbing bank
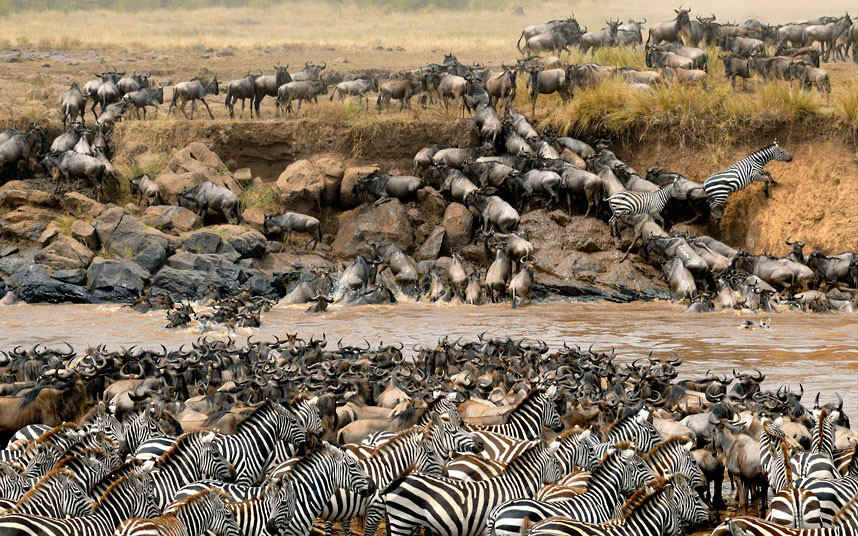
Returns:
(480,269)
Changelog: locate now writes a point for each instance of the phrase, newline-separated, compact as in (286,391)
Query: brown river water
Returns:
(818,350)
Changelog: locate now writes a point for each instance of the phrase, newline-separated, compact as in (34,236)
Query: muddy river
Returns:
(819,351)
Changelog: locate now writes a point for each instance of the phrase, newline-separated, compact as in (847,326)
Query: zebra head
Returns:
(635,473)
(308,417)
(145,505)
(688,467)
(687,503)
(107,424)
(576,449)
(550,417)
(429,458)
(779,153)
(348,473)
(137,429)
(290,428)
(42,459)
(73,499)
(12,484)
(552,469)
(450,436)
(213,464)
(280,504)
(222,519)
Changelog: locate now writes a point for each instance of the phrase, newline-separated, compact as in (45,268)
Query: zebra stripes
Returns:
(568,487)
(738,176)
(130,496)
(833,494)
(206,510)
(621,471)
(845,523)
(527,419)
(657,511)
(673,455)
(446,507)
(630,203)
(636,428)
(57,494)
(818,462)
(790,506)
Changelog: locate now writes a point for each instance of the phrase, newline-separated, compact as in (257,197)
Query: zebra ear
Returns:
(584,435)
(147,466)
(207,438)
(688,446)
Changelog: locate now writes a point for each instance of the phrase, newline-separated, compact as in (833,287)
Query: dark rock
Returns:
(13,263)
(82,206)
(74,277)
(11,250)
(171,218)
(116,281)
(34,285)
(185,284)
(261,285)
(202,242)
(151,257)
(247,242)
(431,248)
(126,237)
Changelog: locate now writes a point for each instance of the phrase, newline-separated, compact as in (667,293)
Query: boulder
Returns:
(171,218)
(85,234)
(243,176)
(192,165)
(202,241)
(387,222)
(81,206)
(65,252)
(333,167)
(432,247)
(15,193)
(301,187)
(50,232)
(253,217)
(10,250)
(13,263)
(115,280)
(432,204)
(34,285)
(557,231)
(74,277)
(350,178)
(27,222)
(248,242)
(184,284)
(458,222)
(127,237)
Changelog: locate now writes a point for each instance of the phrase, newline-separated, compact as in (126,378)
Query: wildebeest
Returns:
(606,37)
(792,35)
(384,186)
(108,93)
(550,81)
(494,211)
(267,85)
(551,41)
(70,165)
(143,98)
(20,147)
(658,57)
(773,67)
(451,86)
(743,46)
(501,86)
(241,89)
(401,90)
(808,54)
(736,66)
(147,189)
(685,76)
(195,90)
(112,113)
(309,72)
(356,88)
(73,104)
(302,91)
(629,33)
(827,34)
(698,57)
(209,196)
(487,120)
(132,82)
(288,222)
(65,141)
(832,268)
(810,76)
(670,31)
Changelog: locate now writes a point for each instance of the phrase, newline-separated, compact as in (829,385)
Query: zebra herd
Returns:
(633,471)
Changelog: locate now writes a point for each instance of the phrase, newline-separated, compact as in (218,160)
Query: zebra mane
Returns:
(115,484)
(178,446)
(566,434)
(52,432)
(644,495)
(257,413)
(764,148)
(820,429)
(199,496)
(619,423)
(619,446)
(849,510)
(785,456)
(390,443)
(88,452)
(664,445)
(37,487)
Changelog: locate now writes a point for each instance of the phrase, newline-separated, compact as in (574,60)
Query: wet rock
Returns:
(74,277)
(27,222)
(65,252)
(11,250)
(458,222)
(202,242)
(13,263)
(431,248)
(85,234)
(387,222)
(248,243)
(184,284)
(171,218)
(261,285)
(151,257)
(34,285)
(114,280)
(350,178)
(81,206)
(15,193)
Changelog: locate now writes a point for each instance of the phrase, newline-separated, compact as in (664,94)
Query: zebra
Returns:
(673,455)
(818,462)
(636,428)
(269,512)
(621,471)
(191,458)
(441,404)
(528,417)
(790,506)
(569,486)
(833,493)
(738,176)
(659,510)
(29,433)
(447,507)
(308,416)
(56,494)
(129,433)
(315,476)
(845,523)
(206,510)
(249,448)
(12,484)
(630,203)
(129,496)
(475,467)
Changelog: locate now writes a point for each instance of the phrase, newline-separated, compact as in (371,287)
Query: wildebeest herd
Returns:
(487,436)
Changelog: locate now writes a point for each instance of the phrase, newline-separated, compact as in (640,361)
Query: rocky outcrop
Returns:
(383,223)
(81,206)
(458,222)
(65,253)
(16,193)
(33,284)
(192,165)
(307,185)
(169,218)
(115,280)
(126,237)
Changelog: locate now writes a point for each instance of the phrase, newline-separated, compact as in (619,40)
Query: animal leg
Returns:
(211,115)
